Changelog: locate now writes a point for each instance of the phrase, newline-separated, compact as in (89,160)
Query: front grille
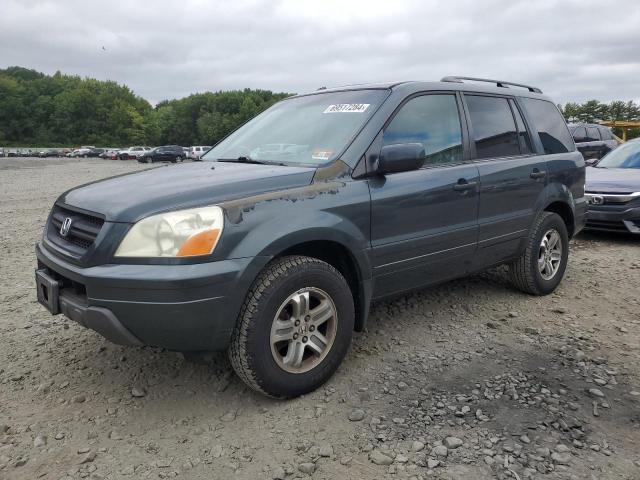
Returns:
(610,225)
(609,198)
(82,233)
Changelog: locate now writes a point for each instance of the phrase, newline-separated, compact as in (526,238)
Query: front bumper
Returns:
(614,219)
(178,307)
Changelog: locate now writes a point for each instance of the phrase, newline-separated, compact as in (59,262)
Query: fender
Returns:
(266,225)
(559,193)
(555,192)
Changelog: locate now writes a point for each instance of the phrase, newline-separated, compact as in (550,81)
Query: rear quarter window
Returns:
(550,125)
(605,133)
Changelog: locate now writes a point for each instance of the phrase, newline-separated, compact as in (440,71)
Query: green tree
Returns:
(66,110)
(594,111)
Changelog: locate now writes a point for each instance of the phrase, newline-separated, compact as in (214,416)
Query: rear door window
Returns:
(550,124)
(580,135)
(433,121)
(493,126)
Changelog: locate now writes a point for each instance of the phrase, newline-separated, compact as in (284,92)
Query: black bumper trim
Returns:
(129,302)
(98,319)
(614,219)
(178,307)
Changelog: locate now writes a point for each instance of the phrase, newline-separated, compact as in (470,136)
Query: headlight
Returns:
(185,233)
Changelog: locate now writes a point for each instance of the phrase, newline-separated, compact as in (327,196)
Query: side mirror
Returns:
(591,162)
(400,157)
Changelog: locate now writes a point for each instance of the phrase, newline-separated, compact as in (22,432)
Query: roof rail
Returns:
(498,83)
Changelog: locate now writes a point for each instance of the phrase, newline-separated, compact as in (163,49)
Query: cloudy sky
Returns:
(573,50)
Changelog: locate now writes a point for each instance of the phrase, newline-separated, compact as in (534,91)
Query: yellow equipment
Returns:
(623,124)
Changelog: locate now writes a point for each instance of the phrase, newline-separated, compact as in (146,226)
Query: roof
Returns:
(581,124)
(483,86)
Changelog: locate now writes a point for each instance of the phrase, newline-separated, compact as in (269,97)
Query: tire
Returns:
(526,274)
(251,352)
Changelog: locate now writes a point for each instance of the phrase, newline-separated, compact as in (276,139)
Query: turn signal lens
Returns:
(201,243)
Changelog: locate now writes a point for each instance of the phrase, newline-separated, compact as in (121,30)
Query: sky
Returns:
(161,49)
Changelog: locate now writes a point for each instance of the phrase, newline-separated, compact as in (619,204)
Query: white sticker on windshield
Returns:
(347,108)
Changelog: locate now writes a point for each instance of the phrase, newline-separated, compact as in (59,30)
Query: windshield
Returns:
(626,155)
(310,130)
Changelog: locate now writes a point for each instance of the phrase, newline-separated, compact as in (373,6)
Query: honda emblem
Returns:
(65,227)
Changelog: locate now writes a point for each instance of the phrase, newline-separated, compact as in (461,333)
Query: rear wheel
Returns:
(542,265)
(294,328)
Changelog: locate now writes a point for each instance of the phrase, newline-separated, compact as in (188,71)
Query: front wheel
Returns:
(294,328)
(542,265)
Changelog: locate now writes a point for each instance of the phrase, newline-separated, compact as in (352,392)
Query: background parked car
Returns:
(132,153)
(613,190)
(81,152)
(94,153)
(195,153)
(110,153)
(171,153)
(52,152)
(593,141)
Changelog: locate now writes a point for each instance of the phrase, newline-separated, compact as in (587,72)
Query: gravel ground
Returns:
(468,380)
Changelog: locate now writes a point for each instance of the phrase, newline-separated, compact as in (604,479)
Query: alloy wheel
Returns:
(550,254)
(303,330)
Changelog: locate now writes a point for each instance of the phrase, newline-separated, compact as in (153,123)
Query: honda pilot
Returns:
(274,247)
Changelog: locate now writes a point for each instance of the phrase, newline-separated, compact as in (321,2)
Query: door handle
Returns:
(463,185)
(538,173)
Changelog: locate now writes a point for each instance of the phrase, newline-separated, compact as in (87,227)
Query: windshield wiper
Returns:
(245,159)
(241,159)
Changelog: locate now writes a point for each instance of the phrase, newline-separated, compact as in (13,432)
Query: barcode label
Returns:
(347,108)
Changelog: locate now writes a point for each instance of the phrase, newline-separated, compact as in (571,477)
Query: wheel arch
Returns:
(565,212)
(557,198)
(342,259)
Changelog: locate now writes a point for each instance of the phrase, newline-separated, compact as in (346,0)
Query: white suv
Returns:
(195,153)
(132,153)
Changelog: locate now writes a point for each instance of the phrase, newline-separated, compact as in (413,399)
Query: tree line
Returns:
(594,111)
(64,110)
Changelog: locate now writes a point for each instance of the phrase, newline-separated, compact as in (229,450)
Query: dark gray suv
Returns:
(593,141)
(275,245)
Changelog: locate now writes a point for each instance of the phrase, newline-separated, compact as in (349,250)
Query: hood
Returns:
(612,180)
(130,197)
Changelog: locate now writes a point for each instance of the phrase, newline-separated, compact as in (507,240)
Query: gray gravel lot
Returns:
(468,380)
